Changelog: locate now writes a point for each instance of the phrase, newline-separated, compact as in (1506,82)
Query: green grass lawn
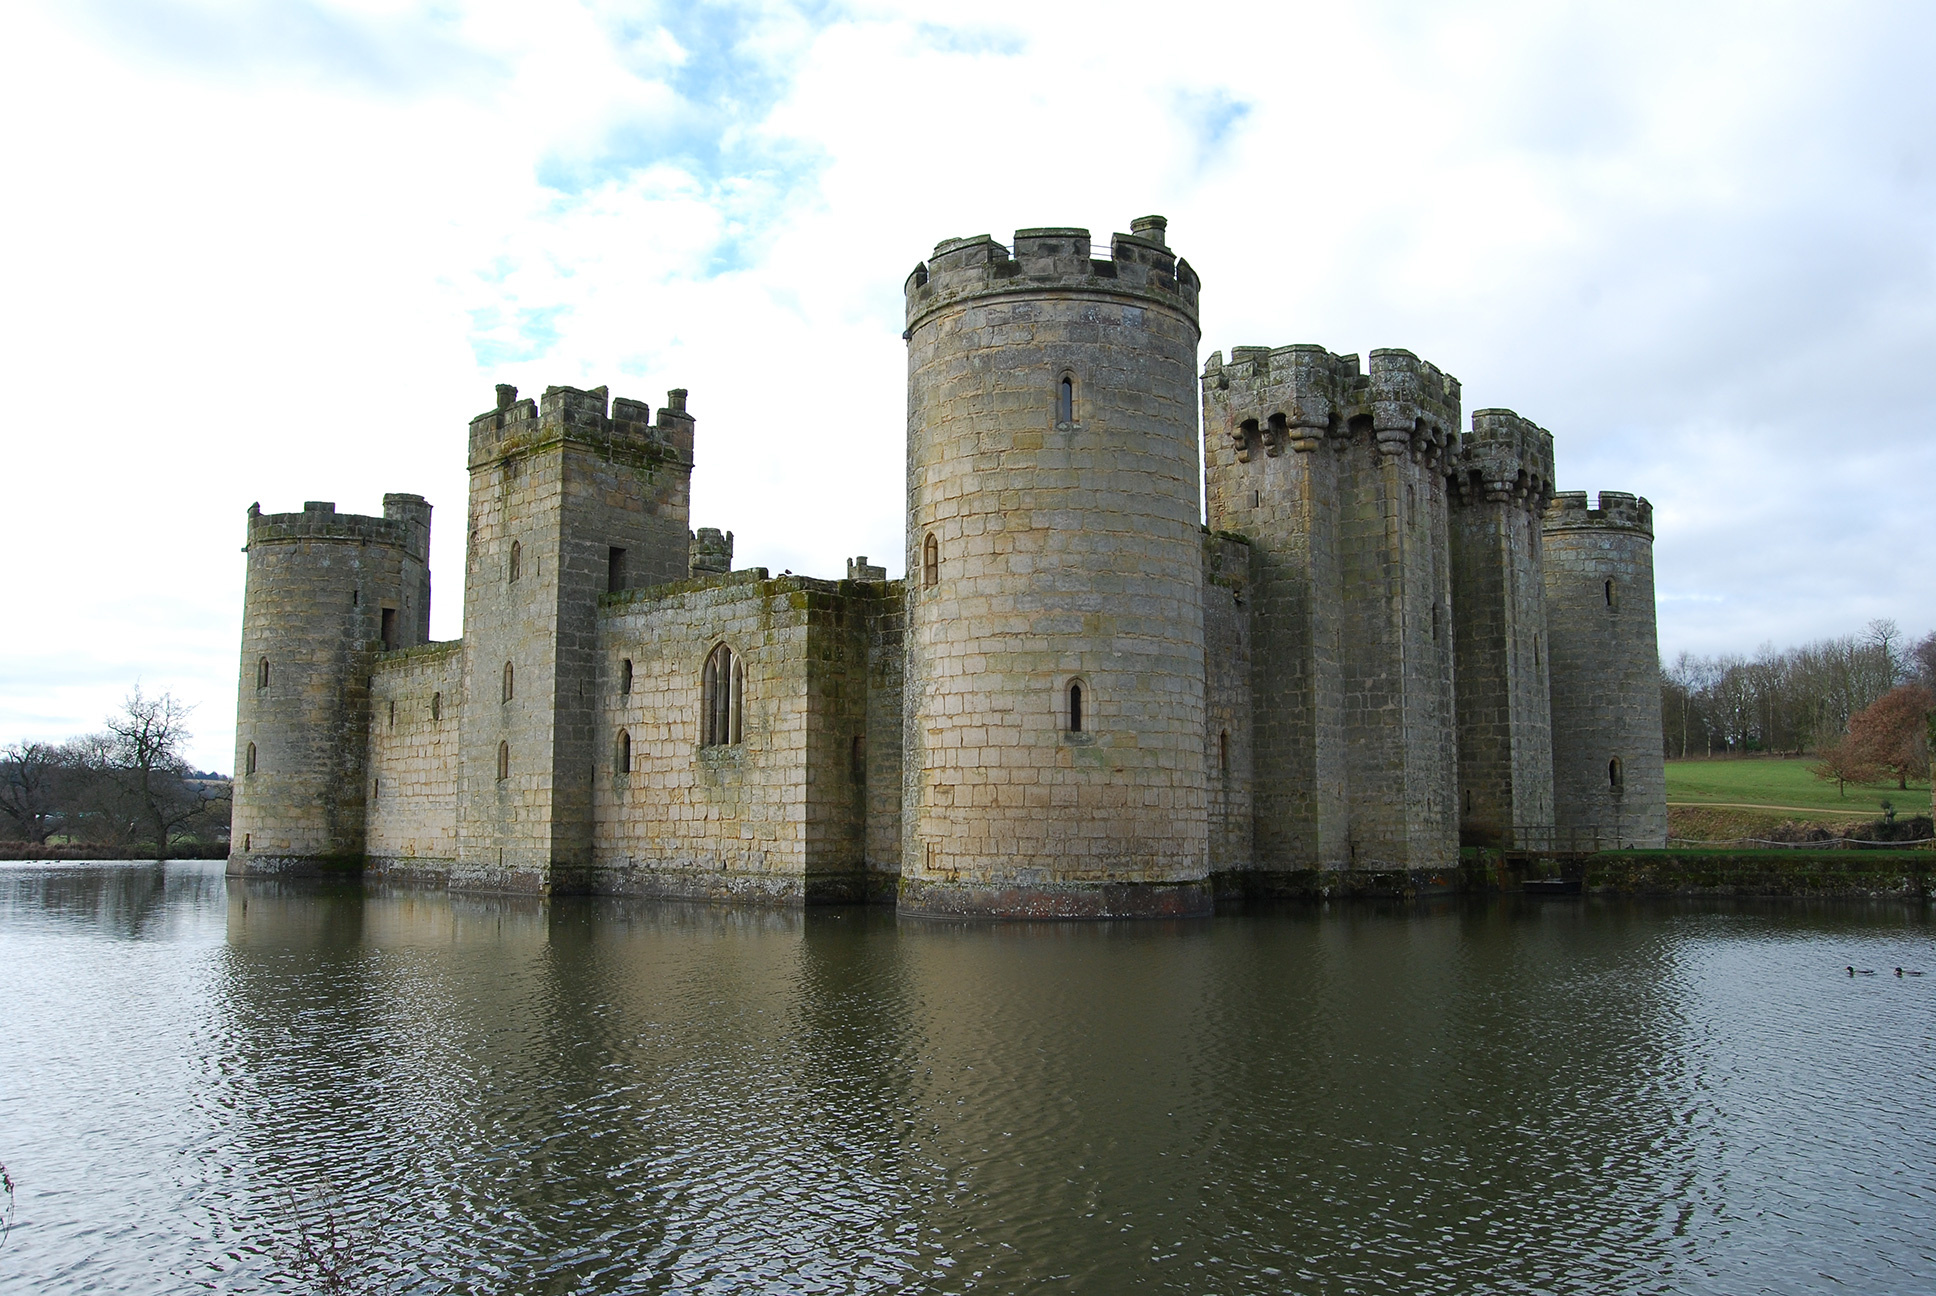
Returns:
(1773,781)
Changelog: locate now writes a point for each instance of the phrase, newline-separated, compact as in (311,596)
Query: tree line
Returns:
(127,787)
(1861,700)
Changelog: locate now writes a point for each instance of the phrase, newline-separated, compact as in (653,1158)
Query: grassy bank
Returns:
(1784,785)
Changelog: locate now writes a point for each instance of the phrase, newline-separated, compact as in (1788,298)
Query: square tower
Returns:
(567,503)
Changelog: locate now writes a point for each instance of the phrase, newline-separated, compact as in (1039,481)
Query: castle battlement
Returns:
(1504,457)
(1296,396)
(1140,264)
(572,414)
(1618,511)
(404,525)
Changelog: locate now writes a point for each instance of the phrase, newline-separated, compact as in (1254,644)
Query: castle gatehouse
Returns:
(1129,669)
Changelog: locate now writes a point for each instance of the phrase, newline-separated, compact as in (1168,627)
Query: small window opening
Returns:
(721,685)
(1613,597)
(262,673)
(1435,623)
(1468,801)
(857,760)
(393,714)
(1223,751)
(930,561)
(625,676)
(614,570)
(1065,401)
(1256,498)
(356,598)
(387,630)
(248,761)
(623,756)
(1535,652)
(1075,707)
(376,788)
(503,761)
(508,681)
(246,839)
(517,560)
(436,706)
(1616,776)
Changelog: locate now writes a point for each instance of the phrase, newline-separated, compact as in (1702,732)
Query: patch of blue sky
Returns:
(971,40)
(499,337)
(1213,116)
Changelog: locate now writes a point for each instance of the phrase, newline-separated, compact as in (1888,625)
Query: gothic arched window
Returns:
(625,676)
(248,761)
(930,561)
(262,673)
(503,761)
(517,559)
(508,681)
(1065,400)
(1075,706)
(622,758)
(722,683)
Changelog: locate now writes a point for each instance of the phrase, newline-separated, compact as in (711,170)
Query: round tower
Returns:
(1054,750)
(1609,779)
(326,592)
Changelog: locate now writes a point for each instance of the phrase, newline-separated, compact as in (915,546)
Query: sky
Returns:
(283,251)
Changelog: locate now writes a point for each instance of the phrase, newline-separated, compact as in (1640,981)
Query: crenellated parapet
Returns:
(1139,264)
(1265,400)
(1618,511)
(627,431)
(405,525)
(1504,458)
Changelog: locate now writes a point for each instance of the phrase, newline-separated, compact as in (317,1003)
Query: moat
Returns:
(589,1096)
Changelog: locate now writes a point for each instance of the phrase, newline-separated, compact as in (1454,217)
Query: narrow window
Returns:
(388,628)
(1616,777)
(623,757)
(356,598)
(930,561)
(262,673)
(1435,623)
(1256,499)
(248,761)
(625,676)
(517,559)
(393,714)
(1065,402)
(720,685)
(1075,707)
(739,694)
(503,761)
(507,681)
(857,760)
(376,788)
(1535,652)
(246,839)
(1223,751)
(614,570)
(436,706)
(1613,597)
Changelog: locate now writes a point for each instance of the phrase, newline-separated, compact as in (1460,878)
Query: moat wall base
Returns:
(920,899)
(259,865)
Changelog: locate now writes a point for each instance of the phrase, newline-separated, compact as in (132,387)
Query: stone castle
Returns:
(1392,637)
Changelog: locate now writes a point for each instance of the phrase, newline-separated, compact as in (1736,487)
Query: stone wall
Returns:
(1503,476)
(784,814)
(1609,778)
(322,590)
(416,701)
(1067,555)
(1228,774)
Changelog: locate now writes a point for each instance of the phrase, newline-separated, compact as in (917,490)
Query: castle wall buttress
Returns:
(1502,479)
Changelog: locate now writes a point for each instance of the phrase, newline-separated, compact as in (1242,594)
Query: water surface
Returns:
(584,1096)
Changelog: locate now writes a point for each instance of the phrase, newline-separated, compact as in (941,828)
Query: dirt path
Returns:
(1803,810)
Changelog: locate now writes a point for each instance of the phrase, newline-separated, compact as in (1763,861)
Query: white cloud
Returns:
(282,252)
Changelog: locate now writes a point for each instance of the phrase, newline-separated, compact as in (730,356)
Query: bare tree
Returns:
(138,762)
(31,775)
